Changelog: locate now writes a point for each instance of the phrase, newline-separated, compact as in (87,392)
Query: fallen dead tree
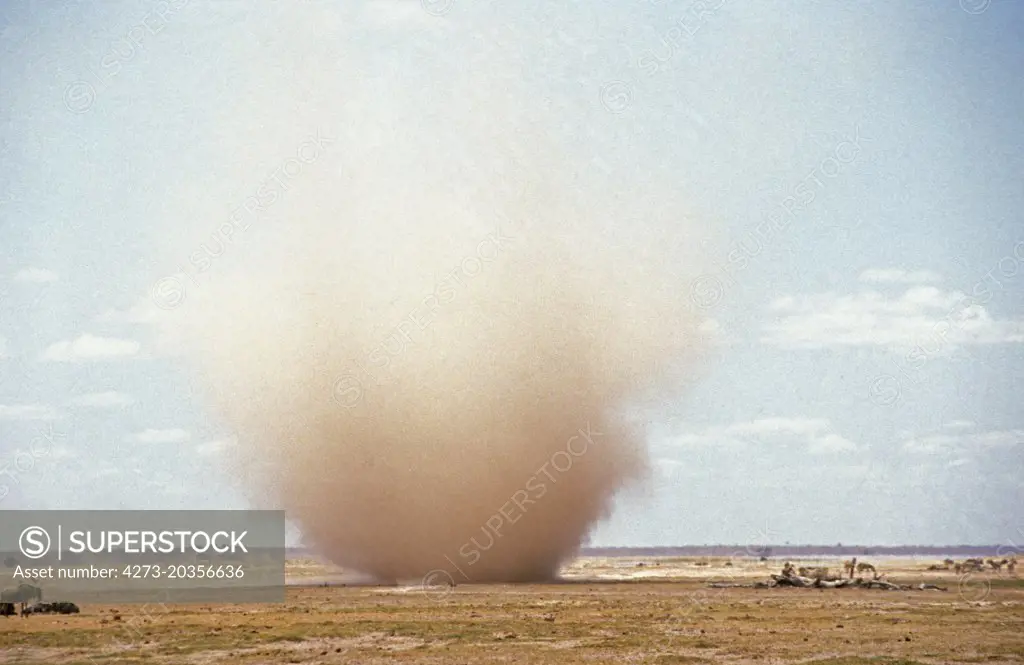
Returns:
(858,582)
(791,577)
(799,581)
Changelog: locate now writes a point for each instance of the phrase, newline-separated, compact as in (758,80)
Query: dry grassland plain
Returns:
(607,610)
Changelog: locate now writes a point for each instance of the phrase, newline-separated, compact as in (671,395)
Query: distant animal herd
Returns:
(24,594)
(977,565)
(852,566)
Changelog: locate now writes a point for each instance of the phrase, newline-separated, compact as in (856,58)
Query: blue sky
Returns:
(862,384)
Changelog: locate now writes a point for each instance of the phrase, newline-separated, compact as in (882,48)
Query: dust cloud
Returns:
(429,347)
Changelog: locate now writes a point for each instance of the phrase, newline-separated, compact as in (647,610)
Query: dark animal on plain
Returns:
(65,607)
(24,594)
(57,607)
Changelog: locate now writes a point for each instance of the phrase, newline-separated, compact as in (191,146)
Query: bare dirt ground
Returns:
(607,611)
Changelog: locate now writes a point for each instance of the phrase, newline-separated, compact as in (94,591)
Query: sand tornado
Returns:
(429,346)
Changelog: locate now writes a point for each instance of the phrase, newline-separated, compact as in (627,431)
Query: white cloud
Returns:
(710,326)
(403,13)
(963,442)
(164,337)
(830,443)
(90,347)
(899,275)
(926,317)
(713,332)
(211,448)
(160,436)
(715,436)
(63,452)
(36,275)
(996,439)
(143,311)
(3,347)
(775,426)
(27,412)
(102,400)
(815,433)
(932,443)
(668,468)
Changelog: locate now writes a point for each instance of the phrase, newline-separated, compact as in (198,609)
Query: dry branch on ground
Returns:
(789,578)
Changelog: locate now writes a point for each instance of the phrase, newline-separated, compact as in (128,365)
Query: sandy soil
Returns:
(605,611)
